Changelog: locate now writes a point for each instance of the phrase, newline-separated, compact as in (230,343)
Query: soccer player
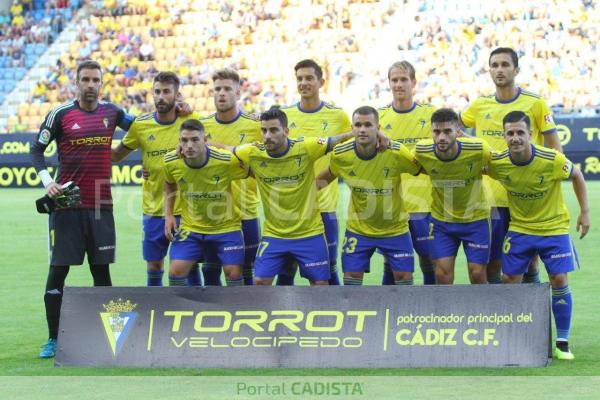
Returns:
(284,172)
(376,216)
(459,210)
(83,130)
(230,126)
(210,226)
(539,219)
(156,134)
(312,117)
(407,122)
(485,115)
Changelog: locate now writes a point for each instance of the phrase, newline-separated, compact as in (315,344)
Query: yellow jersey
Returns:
(154,139)
(534,190)
(457,194)
(287,186)
(408,127)
(325,121)
(205,191)
(485,114)
(241,130)
(376,207)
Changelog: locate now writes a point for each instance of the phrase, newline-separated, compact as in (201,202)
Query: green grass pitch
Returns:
(24,269)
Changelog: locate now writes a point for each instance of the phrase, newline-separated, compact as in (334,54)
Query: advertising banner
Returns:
(306,327)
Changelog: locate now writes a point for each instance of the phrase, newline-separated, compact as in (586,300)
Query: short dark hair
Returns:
(516,116)
(275,113)
(88,64)
(310,64)
(367,110)
(192,125)
(168,77)
(505,50)
(444,115)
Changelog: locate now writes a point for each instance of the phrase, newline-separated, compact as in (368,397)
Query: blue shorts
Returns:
(447,237)
(331,234)
(557,252)
(310,253)
(418,225)
(154,242)
(251,232)
(358,249)
(226,248)
(500,218)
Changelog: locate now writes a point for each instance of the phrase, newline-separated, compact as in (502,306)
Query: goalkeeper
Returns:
(83,131)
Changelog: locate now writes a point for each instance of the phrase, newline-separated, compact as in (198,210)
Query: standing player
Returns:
(459,211)
(156,134)
(83,130)
(230,126)
(284,171)
(539,219)
(210,226)
(485,115)
(407,122)
(312,117)
(376,216)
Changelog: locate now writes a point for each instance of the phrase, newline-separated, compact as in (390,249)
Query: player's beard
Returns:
(164,108)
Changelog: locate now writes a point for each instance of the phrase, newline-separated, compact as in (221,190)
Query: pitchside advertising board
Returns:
(16,170)
(306,327)
(580,138)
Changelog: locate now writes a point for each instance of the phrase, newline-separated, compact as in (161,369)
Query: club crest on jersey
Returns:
(105,122)
(118,319)
(321,140)
(44,137)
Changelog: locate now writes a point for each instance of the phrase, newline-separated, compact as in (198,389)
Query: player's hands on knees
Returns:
(383,141)
(583,224)
(53,190)
(170,227)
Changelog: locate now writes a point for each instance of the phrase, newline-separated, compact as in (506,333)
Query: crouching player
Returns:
(376,216)
(539,219)
(210,225)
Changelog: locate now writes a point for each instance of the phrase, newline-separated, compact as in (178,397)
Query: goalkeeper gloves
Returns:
(70,197)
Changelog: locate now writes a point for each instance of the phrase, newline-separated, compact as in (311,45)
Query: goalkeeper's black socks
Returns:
(53,297)
(101,274)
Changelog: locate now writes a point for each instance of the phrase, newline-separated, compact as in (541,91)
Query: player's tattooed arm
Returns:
(334,140)
(120,152)
(325,178)
(170,221)
(583,220)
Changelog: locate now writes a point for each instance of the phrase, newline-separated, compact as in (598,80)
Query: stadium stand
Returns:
(354,40)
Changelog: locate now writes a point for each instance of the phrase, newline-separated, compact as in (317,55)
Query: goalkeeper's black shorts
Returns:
(76,232)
